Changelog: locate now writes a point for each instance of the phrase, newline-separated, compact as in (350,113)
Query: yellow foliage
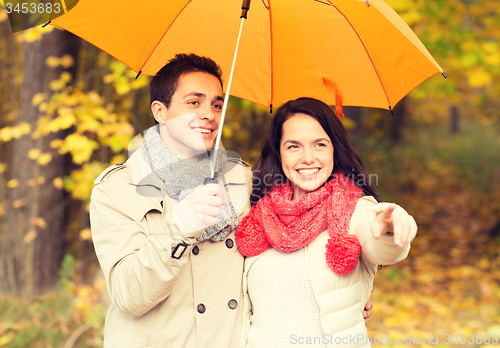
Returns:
(34,153)
(36,181)
(56,143)
(478,77)
(12,183)
(5,339)
(44,159)
(39,222)
(57,85)
(15,132)
(81,181)
(33,34)
(79,146)
(492,53)
(18,203)
(67,61)
(30,236)
(484,263)
(53,62)
(43,107)
(86,234)
(38,98)
(58,183)
(3,16)
(3,167)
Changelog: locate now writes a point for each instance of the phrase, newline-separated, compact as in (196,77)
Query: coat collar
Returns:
(152,189)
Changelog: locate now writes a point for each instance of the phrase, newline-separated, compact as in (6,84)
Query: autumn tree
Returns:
(33,228)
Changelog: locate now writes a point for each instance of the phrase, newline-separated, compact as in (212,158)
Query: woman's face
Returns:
(306,154)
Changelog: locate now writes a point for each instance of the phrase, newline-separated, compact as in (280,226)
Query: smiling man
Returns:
(165,241)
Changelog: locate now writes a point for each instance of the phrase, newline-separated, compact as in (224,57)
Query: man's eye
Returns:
(217,106)
(193,102)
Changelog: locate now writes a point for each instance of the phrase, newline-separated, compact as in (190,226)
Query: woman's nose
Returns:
(307,156)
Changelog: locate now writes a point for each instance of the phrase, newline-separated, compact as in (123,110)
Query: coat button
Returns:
(201,308)
(196,250)
(233,304)
(229,243)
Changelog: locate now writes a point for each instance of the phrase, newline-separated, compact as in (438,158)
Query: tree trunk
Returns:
(33,239)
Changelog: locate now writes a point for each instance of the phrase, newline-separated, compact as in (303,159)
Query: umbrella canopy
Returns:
(359,51)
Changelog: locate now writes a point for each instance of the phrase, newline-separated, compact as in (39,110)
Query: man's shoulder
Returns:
(109,172)
(237,171)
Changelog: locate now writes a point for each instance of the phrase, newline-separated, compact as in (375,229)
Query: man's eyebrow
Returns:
(202,95)
(195,94)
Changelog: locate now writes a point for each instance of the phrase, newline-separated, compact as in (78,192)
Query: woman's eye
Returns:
(320,145)
(292,147)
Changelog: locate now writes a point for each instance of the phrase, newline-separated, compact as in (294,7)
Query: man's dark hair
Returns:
(162,87)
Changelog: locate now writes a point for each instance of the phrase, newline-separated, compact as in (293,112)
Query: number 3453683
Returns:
(32,7)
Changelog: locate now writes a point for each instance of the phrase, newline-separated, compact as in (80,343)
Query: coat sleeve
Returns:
(380,251)
(138,266)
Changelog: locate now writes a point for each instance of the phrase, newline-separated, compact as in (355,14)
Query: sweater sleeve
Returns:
(381,251)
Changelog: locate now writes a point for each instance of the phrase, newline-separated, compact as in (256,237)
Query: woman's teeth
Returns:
(308,171)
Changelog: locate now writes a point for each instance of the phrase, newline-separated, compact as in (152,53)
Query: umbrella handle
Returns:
(210,181)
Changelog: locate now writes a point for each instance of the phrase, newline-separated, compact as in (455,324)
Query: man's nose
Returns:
(207,113)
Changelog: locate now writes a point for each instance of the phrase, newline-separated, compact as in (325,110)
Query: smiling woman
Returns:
(306,154)
(314,240)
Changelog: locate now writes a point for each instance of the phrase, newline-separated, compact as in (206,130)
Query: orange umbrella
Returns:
(359,51)
(344,52)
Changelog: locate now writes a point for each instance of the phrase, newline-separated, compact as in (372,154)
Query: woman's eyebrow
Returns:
(321,139)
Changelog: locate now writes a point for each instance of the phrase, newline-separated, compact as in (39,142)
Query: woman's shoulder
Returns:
(367,201)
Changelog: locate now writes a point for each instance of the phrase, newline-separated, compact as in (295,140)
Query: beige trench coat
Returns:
(165,291)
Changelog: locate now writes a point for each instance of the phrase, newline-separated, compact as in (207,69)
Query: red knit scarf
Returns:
(290,225)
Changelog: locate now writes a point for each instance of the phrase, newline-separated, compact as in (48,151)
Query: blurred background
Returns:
(68,110)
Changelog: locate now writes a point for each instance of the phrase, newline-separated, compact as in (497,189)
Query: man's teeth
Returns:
(202,130)
(308,171)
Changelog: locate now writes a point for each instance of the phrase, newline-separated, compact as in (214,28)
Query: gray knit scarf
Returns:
(181,178)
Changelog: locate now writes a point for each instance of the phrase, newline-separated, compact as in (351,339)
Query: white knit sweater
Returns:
(281,318)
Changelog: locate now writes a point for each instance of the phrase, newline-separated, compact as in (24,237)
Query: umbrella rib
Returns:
(367,53)
(272,62)
(154,49)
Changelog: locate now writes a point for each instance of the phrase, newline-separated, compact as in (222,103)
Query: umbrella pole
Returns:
(245,7)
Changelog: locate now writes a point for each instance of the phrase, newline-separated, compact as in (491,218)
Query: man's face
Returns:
(189,126)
